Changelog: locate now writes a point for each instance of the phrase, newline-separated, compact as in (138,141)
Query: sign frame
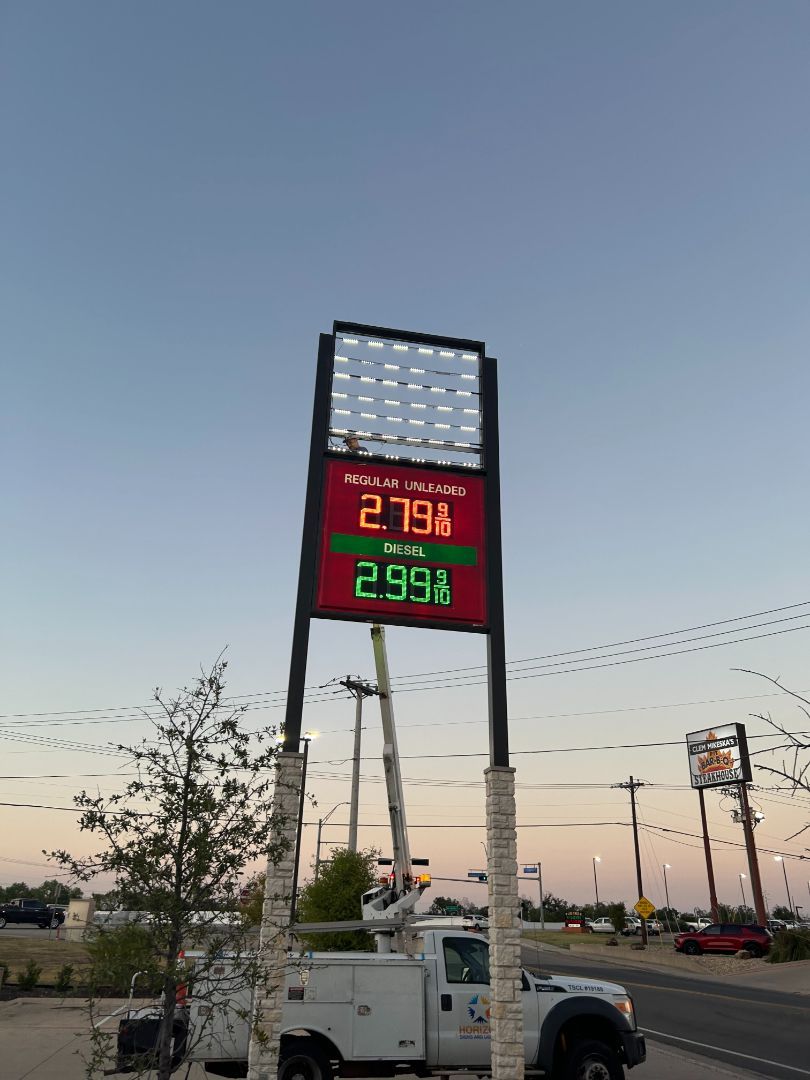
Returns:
(391,616)
(311,534)
(729,737)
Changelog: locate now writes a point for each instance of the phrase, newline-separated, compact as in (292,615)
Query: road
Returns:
(750,1029)
(15,930)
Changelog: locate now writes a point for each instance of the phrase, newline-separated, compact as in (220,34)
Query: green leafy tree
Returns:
(177,838)
(334,896)
(447,905)
(617,913)
(50,891)
(555,908)
(736,913)
(11,892)
(783,913)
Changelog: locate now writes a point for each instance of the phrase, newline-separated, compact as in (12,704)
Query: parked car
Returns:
(32,912)
(476,923)
(725,937)
(775,925)
(633,926)
(603,926)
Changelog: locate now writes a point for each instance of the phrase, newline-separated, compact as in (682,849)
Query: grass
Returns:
(49,955)
(565,940)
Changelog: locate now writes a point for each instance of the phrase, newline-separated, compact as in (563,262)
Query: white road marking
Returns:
(104,1019)
(722,1050)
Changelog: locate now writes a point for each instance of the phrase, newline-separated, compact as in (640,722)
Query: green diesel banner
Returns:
(452,554)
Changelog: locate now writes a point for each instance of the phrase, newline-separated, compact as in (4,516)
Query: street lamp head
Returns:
(667,866)
(742,875)
(596,858)
(777,858)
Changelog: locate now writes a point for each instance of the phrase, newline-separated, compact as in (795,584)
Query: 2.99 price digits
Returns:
(421,517)
(398,582)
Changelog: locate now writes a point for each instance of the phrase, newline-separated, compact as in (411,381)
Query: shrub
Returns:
(617,913)
(118,953)
(790,945)
(29,978)
(64,978)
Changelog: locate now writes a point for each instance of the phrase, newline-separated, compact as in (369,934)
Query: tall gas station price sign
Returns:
(402,514)
(402,545)
(402,525)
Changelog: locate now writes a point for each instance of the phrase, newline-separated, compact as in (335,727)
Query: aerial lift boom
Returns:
(392,901)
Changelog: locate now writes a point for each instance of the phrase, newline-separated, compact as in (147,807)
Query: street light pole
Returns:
(306,739)
(540,883)
(666,891)
(742,890)
(778,858)
(596,859)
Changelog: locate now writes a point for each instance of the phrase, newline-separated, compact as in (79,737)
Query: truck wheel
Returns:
(753,948)
(691,948)
(2,922)
(304,1060)
(592,1060)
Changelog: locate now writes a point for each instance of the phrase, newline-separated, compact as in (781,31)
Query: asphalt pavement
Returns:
(748,1029)
(45,1039)
(11,930)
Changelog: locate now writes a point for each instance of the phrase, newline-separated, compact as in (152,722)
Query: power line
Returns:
(612,663)
(624,652)
(563,749)
(120,711)
(648,637)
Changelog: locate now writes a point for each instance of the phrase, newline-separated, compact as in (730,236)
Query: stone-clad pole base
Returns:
(506,1005)
(269,995)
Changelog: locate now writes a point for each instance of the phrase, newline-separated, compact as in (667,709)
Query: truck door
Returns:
(463,1002)
(531,1019)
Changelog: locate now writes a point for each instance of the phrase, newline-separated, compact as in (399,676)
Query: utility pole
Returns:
(632,786)
(360,690)
(753,861)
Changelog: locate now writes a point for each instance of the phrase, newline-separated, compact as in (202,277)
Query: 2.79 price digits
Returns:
(397,582)
(421,517)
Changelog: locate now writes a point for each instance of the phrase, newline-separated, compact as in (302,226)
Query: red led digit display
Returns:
(402,545)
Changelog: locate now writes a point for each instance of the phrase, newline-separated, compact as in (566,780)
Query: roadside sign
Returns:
(644,908)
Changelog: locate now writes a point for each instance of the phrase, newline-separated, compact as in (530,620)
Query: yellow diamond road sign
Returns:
(645,908)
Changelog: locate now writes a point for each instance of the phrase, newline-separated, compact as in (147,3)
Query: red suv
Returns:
(725,937)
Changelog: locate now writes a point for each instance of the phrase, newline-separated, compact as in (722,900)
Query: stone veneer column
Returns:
(506,1005)
(264,1050)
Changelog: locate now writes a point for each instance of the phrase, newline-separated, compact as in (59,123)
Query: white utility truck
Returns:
(375,1015)
(419,1005)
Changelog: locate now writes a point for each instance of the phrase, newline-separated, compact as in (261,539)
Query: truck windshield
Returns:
(466,961)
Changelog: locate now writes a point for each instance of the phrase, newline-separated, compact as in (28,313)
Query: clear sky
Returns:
(613,197)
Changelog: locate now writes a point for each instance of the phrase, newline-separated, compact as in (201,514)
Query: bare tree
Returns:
(177,840)
(792,773)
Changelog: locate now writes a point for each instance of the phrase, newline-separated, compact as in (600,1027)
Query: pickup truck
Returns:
(367,1014)
(30,911)
(698,924)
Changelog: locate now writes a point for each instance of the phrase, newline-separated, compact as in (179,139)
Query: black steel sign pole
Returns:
(402,526)
(309,545)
